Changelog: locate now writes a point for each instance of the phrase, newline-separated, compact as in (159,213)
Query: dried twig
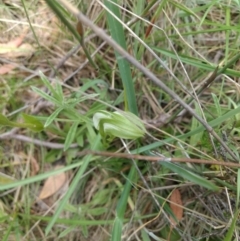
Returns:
(11,135)
(157,158)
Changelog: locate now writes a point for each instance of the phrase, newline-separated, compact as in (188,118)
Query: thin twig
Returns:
(157,158)
(52,145)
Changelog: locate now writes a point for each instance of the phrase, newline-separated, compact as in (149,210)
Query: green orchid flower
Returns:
(119,124)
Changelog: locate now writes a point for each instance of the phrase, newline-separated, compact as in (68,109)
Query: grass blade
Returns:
(230,232)
(70,136)
(51,118)
(71,188)
(190,176)
(117,33)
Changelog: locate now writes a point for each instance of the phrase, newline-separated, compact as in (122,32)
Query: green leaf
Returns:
(217,105)
(194,139)
(195,62)
(51,118)
(70,136)
(117,33)
(189,175)
(5,121)
(47,83)
(238,187)
(117,229)
(45,96)
(32,122)
(60,94)
(230,232)
(57,91)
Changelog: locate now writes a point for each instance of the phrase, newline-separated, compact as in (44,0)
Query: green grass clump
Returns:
(176,98)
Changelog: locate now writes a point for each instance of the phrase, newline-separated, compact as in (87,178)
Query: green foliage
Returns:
(191,176)
(30,122)
(231,229)
(79,113)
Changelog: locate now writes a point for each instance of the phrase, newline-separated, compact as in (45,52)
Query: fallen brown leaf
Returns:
(34,166)
(13,49)
(176,206)
(25,50)
(6,68)
(53,184)
(11,45)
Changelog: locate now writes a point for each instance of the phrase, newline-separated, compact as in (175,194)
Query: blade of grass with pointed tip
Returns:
(118,35)
(238,187)
(70,136)
(48,84)
(230,232)
(53,116)
(38,177)
(190,176)
(227,33)
(45,95)
(139,5)
(198,63)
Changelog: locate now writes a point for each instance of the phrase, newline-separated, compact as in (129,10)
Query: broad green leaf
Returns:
(5,121)
(32,122)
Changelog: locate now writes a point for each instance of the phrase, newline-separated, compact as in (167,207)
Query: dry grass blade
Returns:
(158,158)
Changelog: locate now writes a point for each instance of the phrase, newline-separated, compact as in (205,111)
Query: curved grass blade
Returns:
(229,235)
(190,176)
